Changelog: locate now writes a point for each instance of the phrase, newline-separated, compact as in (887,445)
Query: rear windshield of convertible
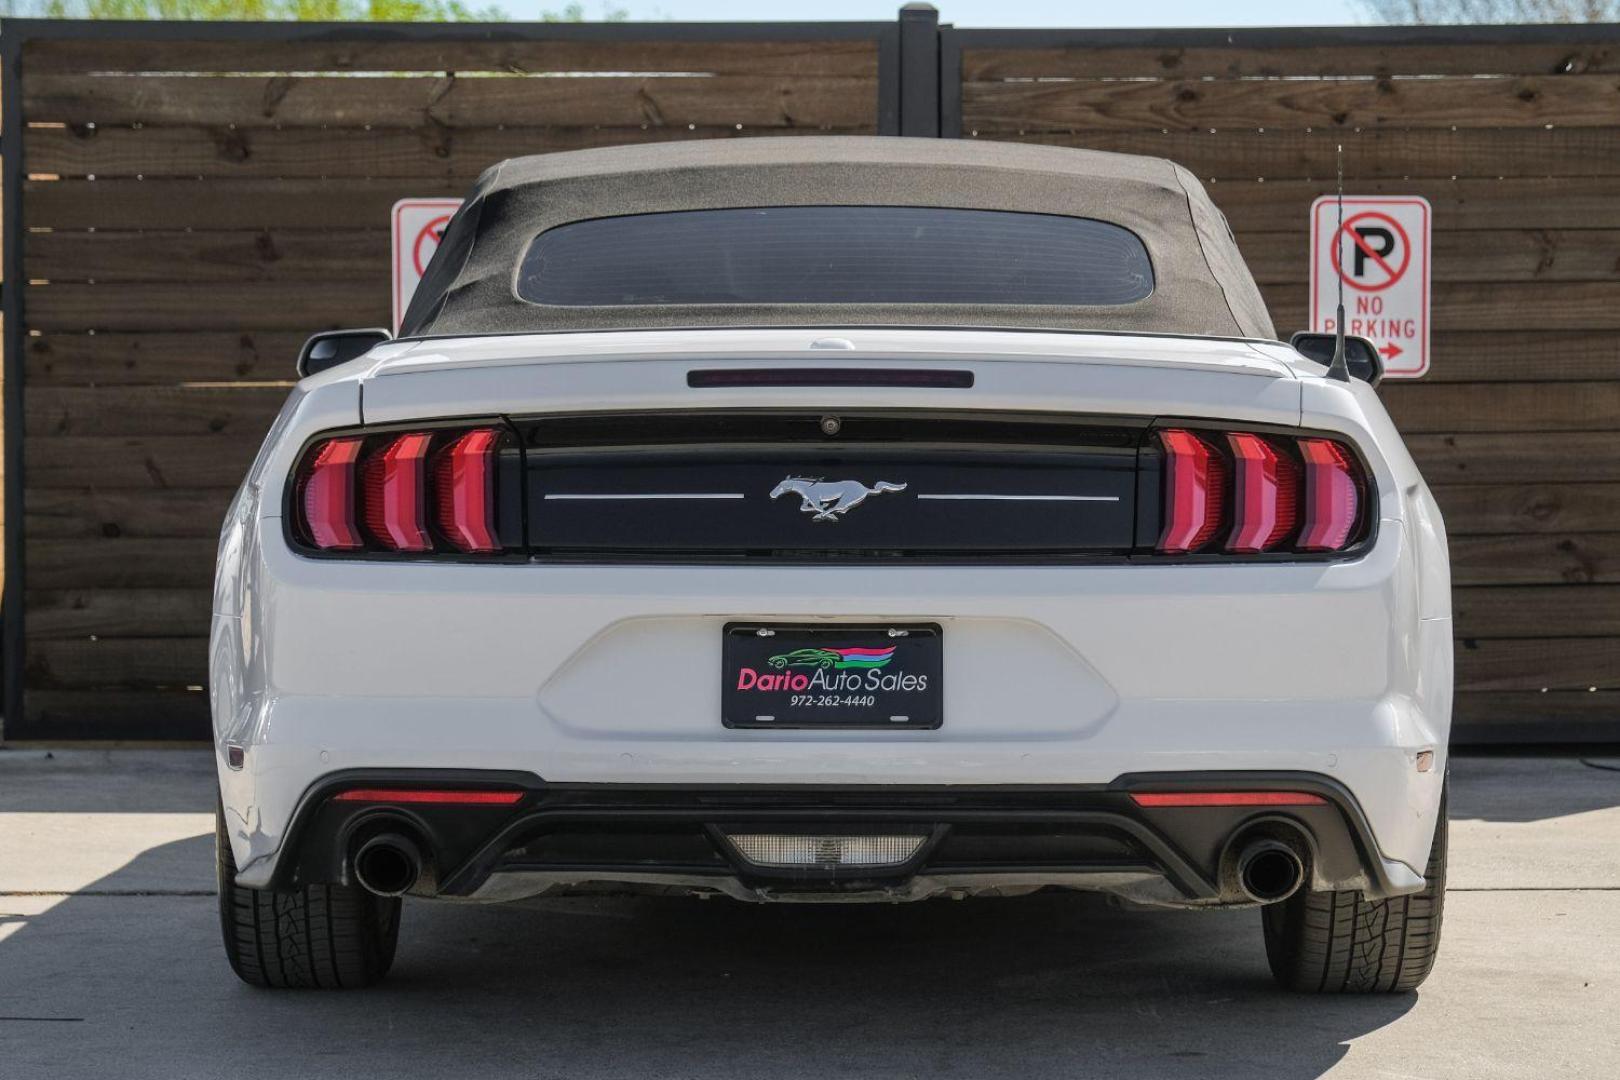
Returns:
(836,255)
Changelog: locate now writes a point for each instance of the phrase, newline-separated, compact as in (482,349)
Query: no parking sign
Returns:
(1381,254)
(418,227)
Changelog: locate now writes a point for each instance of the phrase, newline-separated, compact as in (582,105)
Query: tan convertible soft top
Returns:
(1201,285)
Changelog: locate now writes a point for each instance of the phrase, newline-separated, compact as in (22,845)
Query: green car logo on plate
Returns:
(833,658)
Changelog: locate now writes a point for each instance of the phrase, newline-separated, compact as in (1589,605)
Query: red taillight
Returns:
(327,495)
(434,796)
(1194,478)
(1332,495)
(465,476)
(415,492)
(1287,494)
(1228,798)
(1266,494)
(396,494)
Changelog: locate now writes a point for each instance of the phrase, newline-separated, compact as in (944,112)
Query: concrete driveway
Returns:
(110,965)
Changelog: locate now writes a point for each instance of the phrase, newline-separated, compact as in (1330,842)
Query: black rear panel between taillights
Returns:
(810,485)
(786,486)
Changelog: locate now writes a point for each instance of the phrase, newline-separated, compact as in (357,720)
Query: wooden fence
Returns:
(200,198)
(1513,134)
(194,208)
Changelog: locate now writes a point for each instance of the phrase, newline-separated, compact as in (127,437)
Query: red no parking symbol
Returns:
(418,227)
(1380,251)
(427,242)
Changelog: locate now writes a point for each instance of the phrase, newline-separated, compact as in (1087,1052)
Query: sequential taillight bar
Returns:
(417,492)
(1244,493)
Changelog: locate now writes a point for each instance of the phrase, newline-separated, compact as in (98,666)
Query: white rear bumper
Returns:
(1053,675)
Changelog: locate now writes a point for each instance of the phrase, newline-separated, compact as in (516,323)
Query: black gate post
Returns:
(919,70)
(11,309)
(950,83)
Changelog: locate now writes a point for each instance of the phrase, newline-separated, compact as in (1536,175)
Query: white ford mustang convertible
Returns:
(834,520)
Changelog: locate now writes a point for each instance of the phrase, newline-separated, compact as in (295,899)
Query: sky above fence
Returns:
(986,12)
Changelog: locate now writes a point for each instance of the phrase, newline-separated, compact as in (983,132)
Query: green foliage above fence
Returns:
(293,10)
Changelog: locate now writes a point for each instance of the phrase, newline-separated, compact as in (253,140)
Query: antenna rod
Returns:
(1339,367)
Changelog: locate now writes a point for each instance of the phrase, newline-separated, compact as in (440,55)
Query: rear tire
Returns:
(318,936)
(1343,943)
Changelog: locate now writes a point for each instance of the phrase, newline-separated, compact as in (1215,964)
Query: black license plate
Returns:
(776,676)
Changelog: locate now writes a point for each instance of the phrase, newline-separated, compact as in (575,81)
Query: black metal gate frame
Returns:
(919,94)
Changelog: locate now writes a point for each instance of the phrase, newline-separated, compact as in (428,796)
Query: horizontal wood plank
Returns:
(1560,509)
(97,562)
(1474,306)
(1236,153)
(1538,663)
(431,151)
(1483,407)
(389,101)
(169,715)
(160,359)
(1460,203)
(1242,60)
(238,412)
(169,306)
(1505,255)
(117,663)
(1351,105)
(64,514)
(1521,717)
(1568,457)
(312,305)
(462,153)
(311,203)
(157,358)
(210,256)
(137,461)
(1523,356)
(108,613)
(848,58)
(246,205)
(1530,559)
(1538,611)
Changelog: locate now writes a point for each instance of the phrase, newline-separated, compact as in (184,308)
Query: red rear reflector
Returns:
(1228,798)
(1267,486)
(1194,476)
(465,477)
(1332,495)
(328,495)
(434,796)
(395,490)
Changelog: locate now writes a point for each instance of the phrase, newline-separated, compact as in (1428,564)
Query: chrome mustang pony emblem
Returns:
(830,500)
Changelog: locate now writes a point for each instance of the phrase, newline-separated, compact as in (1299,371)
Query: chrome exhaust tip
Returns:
(1269,870)
(388,864)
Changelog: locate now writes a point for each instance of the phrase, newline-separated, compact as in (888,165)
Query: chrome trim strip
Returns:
(649,495)
(1023,498)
